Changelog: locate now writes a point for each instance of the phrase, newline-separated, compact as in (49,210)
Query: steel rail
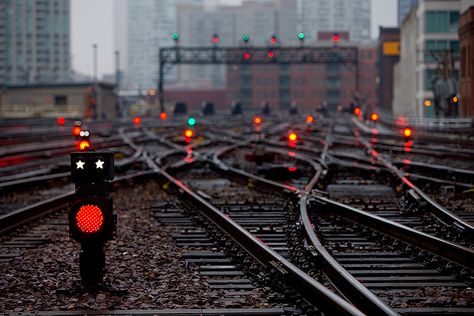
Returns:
(310,289)
(342,280)
(443,214)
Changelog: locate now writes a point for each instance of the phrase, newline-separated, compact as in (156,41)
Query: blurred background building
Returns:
(404,7)
(466,37)
(336,15)
(34,41)
(426,78)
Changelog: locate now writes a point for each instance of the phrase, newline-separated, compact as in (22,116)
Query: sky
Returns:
(92,22)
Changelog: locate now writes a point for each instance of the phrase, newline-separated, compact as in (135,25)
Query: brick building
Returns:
(466,41)
(388,52)
(308,85)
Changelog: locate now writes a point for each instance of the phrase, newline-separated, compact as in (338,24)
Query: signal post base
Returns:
(80,289)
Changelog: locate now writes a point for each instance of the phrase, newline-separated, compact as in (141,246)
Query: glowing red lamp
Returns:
(89,219)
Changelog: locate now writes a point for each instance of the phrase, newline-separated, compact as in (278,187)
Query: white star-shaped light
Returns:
(99,164)
(80,164)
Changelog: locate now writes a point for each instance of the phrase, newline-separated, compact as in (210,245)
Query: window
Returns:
(60,100)
(441,21)
(453,21)
(430,76)
(434,47)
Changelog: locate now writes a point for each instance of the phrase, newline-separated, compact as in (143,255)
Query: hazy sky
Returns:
(92,22)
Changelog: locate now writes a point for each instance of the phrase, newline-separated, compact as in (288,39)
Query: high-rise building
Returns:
(34,41)
(258,19)
(150,26)
(404,7)
(352,16)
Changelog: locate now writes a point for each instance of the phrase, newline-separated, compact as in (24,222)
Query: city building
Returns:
(34,41)
(306,85)
(388,52)
(260,20)
(466,38)
(150,25)
(58,99)
(404,7)
(429,59)
(352,16)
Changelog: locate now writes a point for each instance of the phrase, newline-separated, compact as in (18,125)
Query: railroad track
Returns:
(249,254)
(239,237)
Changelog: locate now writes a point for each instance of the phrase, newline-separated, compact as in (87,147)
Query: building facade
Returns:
(309,86)
(388,52)
(76,100)
(34,41)
(352,16)
(466,38)
(429,59)
(404,7)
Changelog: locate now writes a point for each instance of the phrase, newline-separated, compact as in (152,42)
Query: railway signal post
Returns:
(91,218)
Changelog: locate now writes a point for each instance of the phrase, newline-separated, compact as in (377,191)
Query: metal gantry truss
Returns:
(254,55)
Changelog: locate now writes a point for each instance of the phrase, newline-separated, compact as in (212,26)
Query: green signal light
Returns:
(245,37)
(175,36)
(301,35)
(191,121)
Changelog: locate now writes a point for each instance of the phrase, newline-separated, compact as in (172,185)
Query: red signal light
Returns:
(257,120)
(271,54)
(292,137)
(188,133)
(336,38)
(163,116)
(374,116)
(357,111)
(273,40)
(136,120)
(61,120)
(84,144)
(215,39)
(76,130)
(89,219)
(247,56)
(309,119)
(407,132)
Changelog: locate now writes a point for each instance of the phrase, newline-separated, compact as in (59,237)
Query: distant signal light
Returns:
(188,133)
(273,40)
(163,116)
(137,120)
(84,144)
(61,120)
(257,120)
(407,132)
(292,137)
(76,130)
(309,119)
